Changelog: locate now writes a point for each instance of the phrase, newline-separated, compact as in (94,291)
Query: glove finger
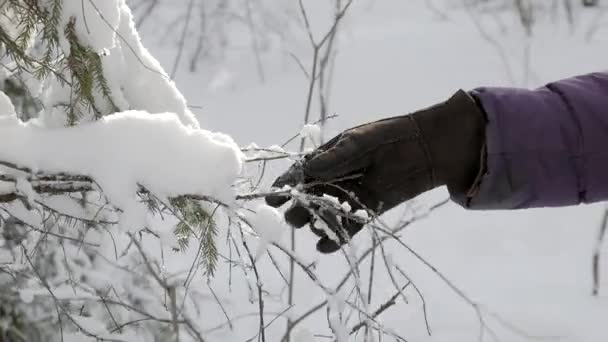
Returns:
(276,200)
(345,157)
(326,245)
(296,174)
(298,216)
(318,232)
(353,228)
(334,223)
(292,177)
(349,191)
(343,227)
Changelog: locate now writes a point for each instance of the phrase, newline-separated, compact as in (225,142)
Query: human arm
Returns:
(494,148)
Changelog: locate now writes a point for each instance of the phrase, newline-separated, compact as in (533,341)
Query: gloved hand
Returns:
(378,165)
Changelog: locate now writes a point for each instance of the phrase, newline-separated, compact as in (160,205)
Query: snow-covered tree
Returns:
(105,177)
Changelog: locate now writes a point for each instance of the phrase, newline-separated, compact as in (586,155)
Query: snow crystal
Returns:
(312,132)
(320,224)
(267,152)
(362,214)
(346,207)
(126,149)
(252,146)
(276,148)
(331,199)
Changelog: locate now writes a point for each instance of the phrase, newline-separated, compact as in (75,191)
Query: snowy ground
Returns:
(532,267)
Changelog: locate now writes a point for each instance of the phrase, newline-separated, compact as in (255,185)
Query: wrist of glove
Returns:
(377,166)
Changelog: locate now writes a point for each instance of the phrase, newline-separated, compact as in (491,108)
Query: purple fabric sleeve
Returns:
(545,147)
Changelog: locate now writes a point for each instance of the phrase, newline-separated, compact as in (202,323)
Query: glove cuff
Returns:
(454,134)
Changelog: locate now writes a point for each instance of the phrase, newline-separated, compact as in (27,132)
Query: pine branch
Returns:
(80,68)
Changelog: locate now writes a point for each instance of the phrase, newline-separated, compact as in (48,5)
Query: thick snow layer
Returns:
(135,73)
(126,149)
(135,78)
(96,23)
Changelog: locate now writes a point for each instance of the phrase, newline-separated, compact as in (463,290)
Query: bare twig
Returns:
(596,22)
(219,302)
(146,13)
(174,315)
(426,319)
(439,13)
(390,302)
(60,307)
(255,42)
(182,39)
(597,250)
(262,332)
(312,77)
(362,257)
(492,41)
(370,283)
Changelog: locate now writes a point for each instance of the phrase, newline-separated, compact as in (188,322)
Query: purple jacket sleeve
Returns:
(545,147)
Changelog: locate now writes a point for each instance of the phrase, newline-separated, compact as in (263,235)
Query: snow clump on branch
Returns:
(128,149)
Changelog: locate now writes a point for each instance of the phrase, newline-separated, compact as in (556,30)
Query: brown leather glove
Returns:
(378,165)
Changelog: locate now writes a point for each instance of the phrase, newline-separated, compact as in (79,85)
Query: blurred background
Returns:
(245,66)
